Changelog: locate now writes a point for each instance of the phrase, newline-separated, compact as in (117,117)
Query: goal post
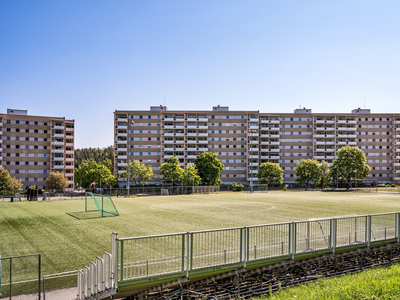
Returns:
(102,203)
(258,188)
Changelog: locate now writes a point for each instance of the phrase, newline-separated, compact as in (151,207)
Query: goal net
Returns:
(101,203)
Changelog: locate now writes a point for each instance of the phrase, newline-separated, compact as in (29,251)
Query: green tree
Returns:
(190,176)
(350,164)
(325,179)
(171,171)
(270,173)
(97,154)
(56,181)
(16,184)
(90,171)
(307,171)
(209,168)
(5,180)
(139,173)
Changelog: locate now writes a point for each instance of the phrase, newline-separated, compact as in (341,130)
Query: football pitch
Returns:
(68,238)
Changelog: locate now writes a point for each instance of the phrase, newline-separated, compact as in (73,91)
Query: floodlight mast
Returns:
(127,186)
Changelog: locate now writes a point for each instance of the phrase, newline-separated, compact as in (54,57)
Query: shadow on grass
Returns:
(82,215)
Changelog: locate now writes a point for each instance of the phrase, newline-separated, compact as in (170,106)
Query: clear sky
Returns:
(84,59)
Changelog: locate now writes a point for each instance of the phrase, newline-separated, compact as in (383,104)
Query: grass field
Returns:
(67,243)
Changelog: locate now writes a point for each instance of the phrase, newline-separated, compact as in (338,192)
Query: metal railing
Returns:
(189,253)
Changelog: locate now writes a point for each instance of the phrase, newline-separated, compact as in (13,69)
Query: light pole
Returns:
(127,186)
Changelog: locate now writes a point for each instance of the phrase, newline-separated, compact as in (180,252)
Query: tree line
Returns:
(350,166)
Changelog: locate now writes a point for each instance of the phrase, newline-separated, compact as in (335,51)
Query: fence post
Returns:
(292,239)
(397,227)
(39,272)
(368,231)
(114,257)
(243,244)
(332,240)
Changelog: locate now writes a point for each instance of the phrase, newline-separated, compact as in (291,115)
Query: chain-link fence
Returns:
(20,277)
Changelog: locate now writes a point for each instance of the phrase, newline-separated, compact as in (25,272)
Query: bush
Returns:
(237,187)
(388,185)
(285,187)
(394,185)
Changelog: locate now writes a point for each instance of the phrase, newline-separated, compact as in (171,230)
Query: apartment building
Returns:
(243,140)
(33,146)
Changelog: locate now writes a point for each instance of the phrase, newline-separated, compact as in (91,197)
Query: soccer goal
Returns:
(101,203)
(258,188)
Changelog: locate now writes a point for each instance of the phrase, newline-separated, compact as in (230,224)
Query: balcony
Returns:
(69,129)
(179,141)
(122,127)
(253,156)
(121,171)
(122,142)
(253,179)
(58,167)
(319,157)
(122,149)
(191,141)
(57,143)
(325,143)
(274,150)
(347,136)
(191,119)
(124,134)
(57,150)
(191,156)
(347,143)
(330,157)
(325,121)
(347,121)
(202,149)
(69,152)
(121,164)
(58,127)
(202,127)
(254,142)
(58,135)
(122,120)
(202,142)
(69,159)
(397,121)
(253,127)
(347,128)
(69,166)
(58,158)
(191,127)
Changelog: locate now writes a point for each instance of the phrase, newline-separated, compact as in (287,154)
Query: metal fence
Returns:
(182,254)
(20,277)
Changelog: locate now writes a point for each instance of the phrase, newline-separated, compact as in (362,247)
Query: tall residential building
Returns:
(243,140)
(33,146)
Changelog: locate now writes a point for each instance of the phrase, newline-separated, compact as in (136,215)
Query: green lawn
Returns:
(376,283)
(67,243)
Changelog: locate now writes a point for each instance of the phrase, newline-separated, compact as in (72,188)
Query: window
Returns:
(140,117)
(45,155)
(16,121)
(26,139)
(36,139)
(26,122)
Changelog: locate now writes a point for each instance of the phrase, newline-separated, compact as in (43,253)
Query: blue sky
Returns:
(85,59)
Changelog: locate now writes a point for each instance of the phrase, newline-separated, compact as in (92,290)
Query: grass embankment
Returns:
(376,283)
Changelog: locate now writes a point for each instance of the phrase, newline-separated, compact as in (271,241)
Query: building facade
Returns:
(33,146)
(243,140)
